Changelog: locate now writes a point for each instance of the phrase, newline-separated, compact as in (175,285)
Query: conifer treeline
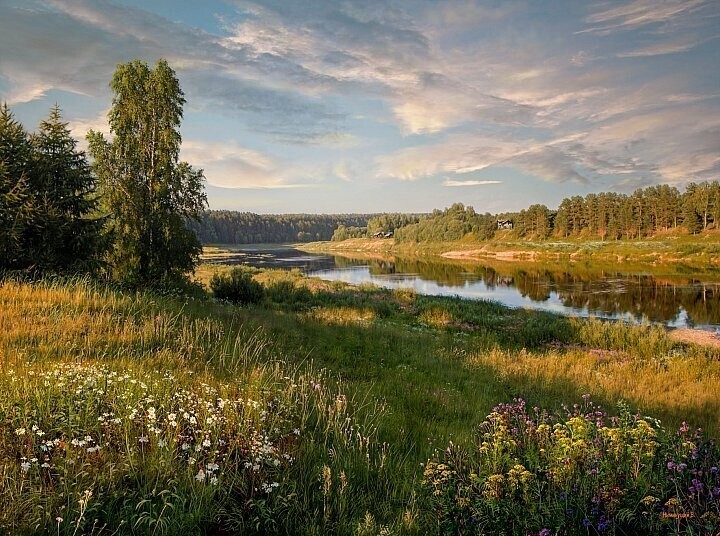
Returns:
(607,216)
(229,227)
(123,215)
(47,201)
(620,216)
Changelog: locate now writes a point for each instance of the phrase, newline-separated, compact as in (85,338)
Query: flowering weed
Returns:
(579,471)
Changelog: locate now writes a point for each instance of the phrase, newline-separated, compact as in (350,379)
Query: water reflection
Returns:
(272,256)
(680,301)
(685,302)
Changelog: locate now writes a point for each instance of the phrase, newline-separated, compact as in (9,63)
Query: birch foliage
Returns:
(148,192)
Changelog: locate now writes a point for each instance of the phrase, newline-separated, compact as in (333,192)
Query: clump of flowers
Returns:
(77,425)
(532,472)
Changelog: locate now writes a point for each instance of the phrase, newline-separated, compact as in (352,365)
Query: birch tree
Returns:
(148,192)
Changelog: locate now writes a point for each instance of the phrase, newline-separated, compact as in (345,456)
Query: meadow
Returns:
(327,408)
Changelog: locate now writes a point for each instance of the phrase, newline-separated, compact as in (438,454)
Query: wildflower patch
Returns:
(532,472)
(83,429)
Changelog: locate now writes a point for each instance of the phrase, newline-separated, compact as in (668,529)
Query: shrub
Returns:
(281,291)
(285,291)
(237,286)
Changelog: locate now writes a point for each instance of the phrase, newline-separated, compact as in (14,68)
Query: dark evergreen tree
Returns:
(16,204)
(691,215)
(66,235)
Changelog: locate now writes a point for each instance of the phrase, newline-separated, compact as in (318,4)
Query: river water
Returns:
(675,300)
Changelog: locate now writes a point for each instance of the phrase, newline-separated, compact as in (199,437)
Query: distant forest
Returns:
(605,216)
(230,227)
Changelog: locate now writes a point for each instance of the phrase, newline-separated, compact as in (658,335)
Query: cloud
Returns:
(275,187)
(639,13)
(423,89)
(659,49)
(80,127)
(677,143)
(75,45)
(230,165)
(449,182)
(344,170)
(282,114)
(351,45)
(466,153)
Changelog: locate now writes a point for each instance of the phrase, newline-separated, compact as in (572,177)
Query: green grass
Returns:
(374,381)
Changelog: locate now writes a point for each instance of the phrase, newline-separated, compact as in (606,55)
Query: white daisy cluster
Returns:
(86,414)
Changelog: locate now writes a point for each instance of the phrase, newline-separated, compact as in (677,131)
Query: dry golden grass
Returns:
(676,385)
(343,316)
(436,316)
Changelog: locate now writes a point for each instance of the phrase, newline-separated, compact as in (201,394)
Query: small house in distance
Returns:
(504,224)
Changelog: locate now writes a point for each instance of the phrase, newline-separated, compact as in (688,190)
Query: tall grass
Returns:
(349,389)
(138,411)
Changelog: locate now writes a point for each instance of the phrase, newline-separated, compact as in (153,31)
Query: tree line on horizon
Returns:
(614,216)
(232,227)
(120,214)
(606,215)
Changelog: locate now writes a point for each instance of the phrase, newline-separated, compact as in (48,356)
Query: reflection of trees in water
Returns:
(602,292)
(645,296)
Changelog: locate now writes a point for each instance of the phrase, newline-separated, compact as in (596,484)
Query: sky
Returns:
(330,106)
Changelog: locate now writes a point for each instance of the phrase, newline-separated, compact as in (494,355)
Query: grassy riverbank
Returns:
(681,249)
(311,412)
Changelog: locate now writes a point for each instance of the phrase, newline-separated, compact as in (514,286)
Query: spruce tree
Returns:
(148,192)
(16,206)
(67,233)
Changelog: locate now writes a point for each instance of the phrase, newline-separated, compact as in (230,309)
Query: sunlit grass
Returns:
(672,387)
(165,414)
(358,386)
(342,315)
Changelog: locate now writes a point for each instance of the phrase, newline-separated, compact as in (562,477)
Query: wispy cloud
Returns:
(230,165)
(639,13)
(449,182)
(274,187)
(672,47)
(75,45)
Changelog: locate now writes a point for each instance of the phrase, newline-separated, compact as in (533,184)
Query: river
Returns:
(674,300)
